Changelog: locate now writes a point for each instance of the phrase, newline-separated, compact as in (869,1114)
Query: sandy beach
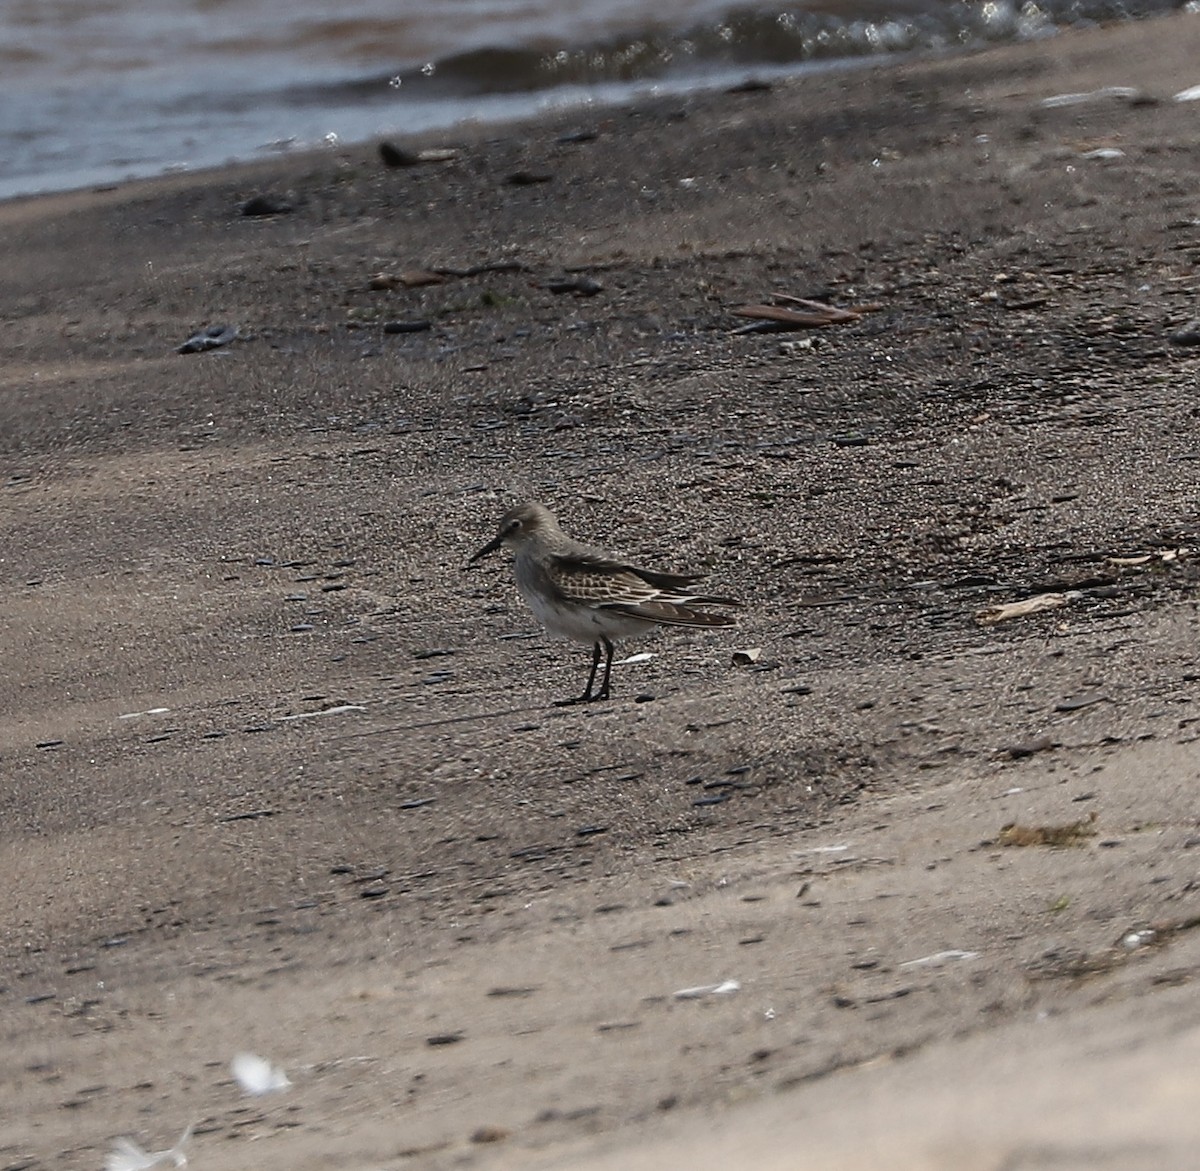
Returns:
(918,841)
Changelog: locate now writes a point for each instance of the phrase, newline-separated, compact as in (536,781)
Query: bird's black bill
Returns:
(490,547)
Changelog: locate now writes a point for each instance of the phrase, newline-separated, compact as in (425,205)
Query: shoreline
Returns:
(107,128)
(564,101)
(582,107)
(283,778)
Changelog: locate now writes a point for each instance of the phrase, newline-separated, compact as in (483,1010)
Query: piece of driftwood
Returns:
(990,615)
(798,313)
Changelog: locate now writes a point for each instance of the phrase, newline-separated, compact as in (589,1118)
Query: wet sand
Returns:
(281,776)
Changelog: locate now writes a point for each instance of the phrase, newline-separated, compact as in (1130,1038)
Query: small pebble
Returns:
(490,1134)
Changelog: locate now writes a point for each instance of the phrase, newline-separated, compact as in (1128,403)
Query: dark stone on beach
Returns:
(583,286)
(260,205)
(396,156)
(752,85)
(1187,335)
(1079,702)
(1027,748)
(252,815)
(209,338)
(490,1134)
(407,326)
(528,178)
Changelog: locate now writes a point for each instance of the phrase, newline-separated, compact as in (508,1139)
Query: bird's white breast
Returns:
(578,621)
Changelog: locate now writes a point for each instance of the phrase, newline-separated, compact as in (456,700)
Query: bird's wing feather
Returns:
(596,580)
(668,581)
(671,614)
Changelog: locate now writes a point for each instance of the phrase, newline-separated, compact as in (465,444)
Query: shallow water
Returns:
(100,90)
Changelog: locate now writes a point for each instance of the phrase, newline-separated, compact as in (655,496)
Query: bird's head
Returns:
(519,524)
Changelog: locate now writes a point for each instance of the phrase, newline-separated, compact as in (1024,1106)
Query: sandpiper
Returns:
(585,594)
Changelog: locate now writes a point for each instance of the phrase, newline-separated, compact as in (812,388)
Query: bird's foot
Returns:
(576,700)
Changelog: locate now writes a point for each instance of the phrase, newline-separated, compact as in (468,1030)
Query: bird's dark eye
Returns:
(514,526)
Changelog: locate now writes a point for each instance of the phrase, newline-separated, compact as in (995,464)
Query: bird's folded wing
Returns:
(594,580)
(598,581)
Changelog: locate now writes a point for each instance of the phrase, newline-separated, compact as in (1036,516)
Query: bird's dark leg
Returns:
(608,646)
(587,695)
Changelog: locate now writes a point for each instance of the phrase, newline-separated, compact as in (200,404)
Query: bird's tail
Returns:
(668,613)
